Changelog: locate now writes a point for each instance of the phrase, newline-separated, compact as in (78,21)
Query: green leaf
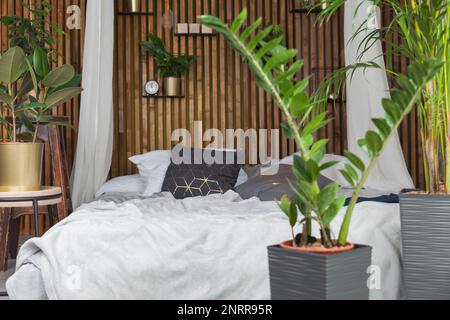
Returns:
(12,65)
(374,142)
(212,21)
(348,178)
(62,96)
(59,76)
(258,38)
(315,124)
(26,122)
(40,62)
(247,32)
(327,196)
(5,98)
(280,59)
(328,165)
(299,104)
(75,82)
(26,86)
(356,161)
(287,130)
(383,127)
(289,208)
(333,210)
(239,21)
(351,172)
(268,48)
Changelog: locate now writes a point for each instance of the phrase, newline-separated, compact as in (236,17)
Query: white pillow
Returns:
(242,178)
(129,184)
(152,168)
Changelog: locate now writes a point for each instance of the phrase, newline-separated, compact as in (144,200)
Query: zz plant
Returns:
(29,95)
(276,73)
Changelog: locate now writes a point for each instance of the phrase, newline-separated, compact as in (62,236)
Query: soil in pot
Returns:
(317,248)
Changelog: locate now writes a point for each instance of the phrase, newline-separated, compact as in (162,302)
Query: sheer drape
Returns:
(364,93)
(95,134)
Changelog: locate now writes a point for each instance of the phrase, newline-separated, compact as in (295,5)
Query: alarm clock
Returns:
(152,88)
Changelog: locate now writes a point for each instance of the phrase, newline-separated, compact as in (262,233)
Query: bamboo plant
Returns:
(277,73)
(424,27)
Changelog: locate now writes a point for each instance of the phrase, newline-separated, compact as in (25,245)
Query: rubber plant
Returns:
(29,95)
(277,75)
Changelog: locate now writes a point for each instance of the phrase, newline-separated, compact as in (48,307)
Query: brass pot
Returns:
(20,166)
(133,6)
(172,86)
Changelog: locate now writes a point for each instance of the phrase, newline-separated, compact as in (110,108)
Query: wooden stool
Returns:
(47,196)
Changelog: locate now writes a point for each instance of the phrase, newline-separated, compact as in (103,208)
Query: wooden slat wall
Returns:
(70,48)
(220,90)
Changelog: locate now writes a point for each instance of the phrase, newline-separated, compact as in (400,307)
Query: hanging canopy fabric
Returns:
(95,134)
(365,90)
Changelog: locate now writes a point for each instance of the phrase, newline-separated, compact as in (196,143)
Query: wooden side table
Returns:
(47,196)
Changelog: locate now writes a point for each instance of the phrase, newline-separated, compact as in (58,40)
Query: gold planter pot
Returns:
(20,166)
(172,86)
(133,6)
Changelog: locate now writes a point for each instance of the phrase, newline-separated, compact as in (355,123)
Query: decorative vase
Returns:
(298,275)
(20,166)
(425,223)
(172,87)
(133,6)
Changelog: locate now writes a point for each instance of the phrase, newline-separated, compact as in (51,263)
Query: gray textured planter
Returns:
(308,276)
(426,249)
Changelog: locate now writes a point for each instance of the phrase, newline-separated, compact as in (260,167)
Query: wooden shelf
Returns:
(304,10)
(162,97)
(195,34)
(135,14)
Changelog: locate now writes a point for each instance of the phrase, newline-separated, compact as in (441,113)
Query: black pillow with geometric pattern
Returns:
(193,175)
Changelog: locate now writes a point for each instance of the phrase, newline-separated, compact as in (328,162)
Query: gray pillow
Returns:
(271,187)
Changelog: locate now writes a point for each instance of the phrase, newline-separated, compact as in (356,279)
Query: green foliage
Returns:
(18,78)
(167,63)
(275,68)
(423,26)
(30,33)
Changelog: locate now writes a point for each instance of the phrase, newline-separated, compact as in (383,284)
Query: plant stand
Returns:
(296,275)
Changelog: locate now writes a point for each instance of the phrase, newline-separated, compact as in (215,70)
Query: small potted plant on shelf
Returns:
(305,267)
(28,96)
(425,214)
(170,67)
(133,6)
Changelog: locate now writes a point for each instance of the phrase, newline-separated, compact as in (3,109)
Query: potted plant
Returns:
(170,67)
(133,6)
(21,153)
(336,268)
(424,28)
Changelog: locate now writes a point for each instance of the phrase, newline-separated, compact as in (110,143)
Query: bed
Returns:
(128,246)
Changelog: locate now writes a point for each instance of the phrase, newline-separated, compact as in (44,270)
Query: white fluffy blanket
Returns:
(200,248)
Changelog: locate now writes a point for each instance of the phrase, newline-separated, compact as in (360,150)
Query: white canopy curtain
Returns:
(364,93)
(95,134)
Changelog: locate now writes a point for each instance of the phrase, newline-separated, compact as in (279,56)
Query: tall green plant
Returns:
(17,79)
(424,27)
(277,76)
(33,32)
(167,63)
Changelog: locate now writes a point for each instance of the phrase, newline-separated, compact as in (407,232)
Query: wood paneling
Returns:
(70,49)
(220,90)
